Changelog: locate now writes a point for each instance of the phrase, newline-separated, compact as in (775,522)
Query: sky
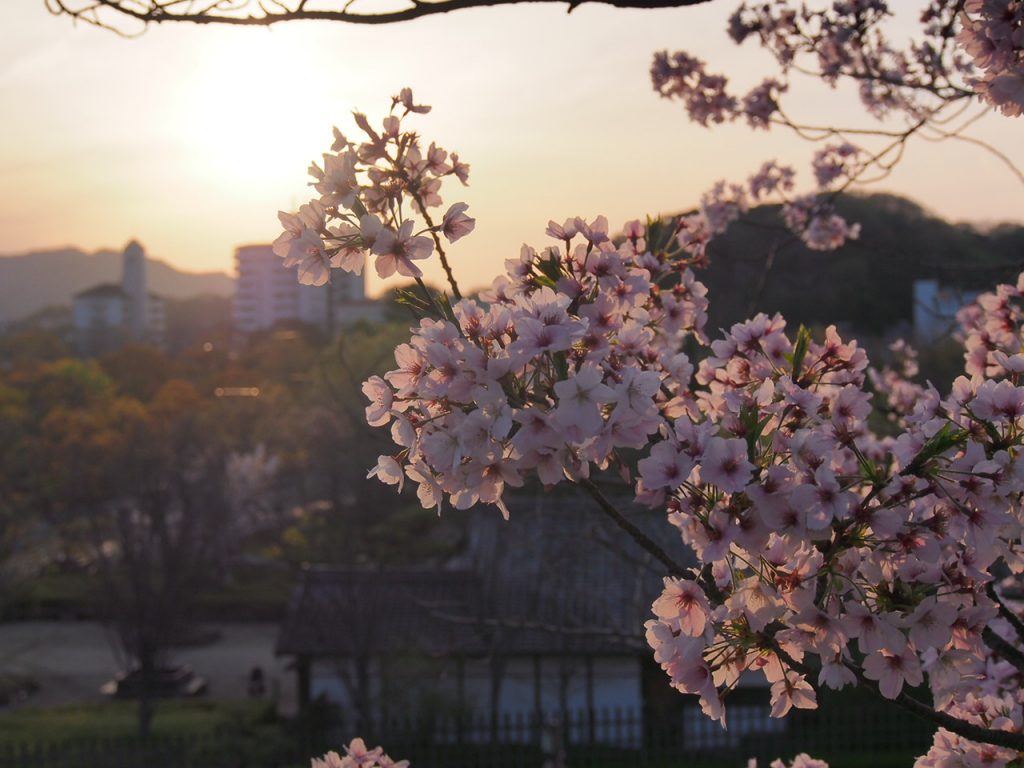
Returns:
(190,139)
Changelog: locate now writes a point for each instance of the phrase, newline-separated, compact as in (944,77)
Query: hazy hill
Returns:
(867,285)
(32,281)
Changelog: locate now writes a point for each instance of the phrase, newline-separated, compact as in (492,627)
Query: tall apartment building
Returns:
(267,293)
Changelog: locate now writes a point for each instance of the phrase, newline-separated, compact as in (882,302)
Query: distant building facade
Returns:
(535,622)
(935,308)
(109,315)
(268,293)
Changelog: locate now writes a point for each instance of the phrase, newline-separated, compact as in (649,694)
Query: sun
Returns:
(253,109)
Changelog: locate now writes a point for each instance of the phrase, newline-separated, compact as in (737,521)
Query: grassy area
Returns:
(256,594)
(117,719)
(207,734)
(229,734)
(185,734)
(50,595)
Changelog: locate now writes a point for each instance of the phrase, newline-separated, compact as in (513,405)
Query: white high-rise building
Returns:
(267,293)
(109,315)
(133,283)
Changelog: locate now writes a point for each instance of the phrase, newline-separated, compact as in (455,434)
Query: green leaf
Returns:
(446,308)
(946,438)
(561,362)
(661,233)
(414,300)
(544,280)
(753,428)
(359,208)
(803,341)
(550,267)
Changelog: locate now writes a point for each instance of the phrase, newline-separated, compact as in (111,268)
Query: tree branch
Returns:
(635,533)
(978,733)
(963,728)
(1003,648)
(439,246)
(1004,610)
(247,13)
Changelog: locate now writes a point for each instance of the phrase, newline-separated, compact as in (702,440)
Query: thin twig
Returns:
(1004,610)
(440,248)
(641,538)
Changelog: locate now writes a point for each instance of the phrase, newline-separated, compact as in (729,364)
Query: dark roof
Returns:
(554,579)
(354,612)
(103,289)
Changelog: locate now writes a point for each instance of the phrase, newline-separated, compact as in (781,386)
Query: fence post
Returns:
(553,743)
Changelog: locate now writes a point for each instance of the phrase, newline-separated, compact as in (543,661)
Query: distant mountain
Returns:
(866,287)
(32,281)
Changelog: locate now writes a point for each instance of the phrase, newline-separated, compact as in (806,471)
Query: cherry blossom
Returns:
(992,33)
(396,251)
(928,84)
(824,554)
(358,756)
(367,192)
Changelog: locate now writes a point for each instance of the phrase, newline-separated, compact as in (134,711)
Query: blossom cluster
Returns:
(826,555)
(873,554)
(992,332)
(924,83)
(811,217)
(993,34)
(838,40)
(897,393)
(573,358)
(358,756)
(818,538)
(366,194)
(834,41)
(803,760)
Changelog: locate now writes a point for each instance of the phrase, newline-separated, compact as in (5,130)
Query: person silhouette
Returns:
(257,687)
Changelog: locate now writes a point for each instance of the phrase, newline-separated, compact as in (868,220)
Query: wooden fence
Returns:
(848,730)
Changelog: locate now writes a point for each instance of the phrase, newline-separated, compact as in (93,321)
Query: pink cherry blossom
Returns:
(818,544)
(684,605)
(724,464)
(396,251)
(892,669)
(456,224)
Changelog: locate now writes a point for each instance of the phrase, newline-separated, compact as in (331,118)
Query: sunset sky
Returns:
(190,139)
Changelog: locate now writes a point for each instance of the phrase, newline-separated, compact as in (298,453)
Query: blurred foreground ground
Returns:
(71,660)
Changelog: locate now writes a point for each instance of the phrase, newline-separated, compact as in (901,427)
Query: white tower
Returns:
(133,282)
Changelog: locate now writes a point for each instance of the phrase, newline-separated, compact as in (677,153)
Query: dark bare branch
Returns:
(961,727)
(1005,611)
(106,13)
(641,538)
(1006,650)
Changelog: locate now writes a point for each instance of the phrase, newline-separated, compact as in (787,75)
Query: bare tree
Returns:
(139,492)
(161,540)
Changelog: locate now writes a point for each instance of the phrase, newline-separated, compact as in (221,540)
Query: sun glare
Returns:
(254,114)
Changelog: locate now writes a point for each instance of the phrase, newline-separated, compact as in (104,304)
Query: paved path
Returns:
(71,660)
